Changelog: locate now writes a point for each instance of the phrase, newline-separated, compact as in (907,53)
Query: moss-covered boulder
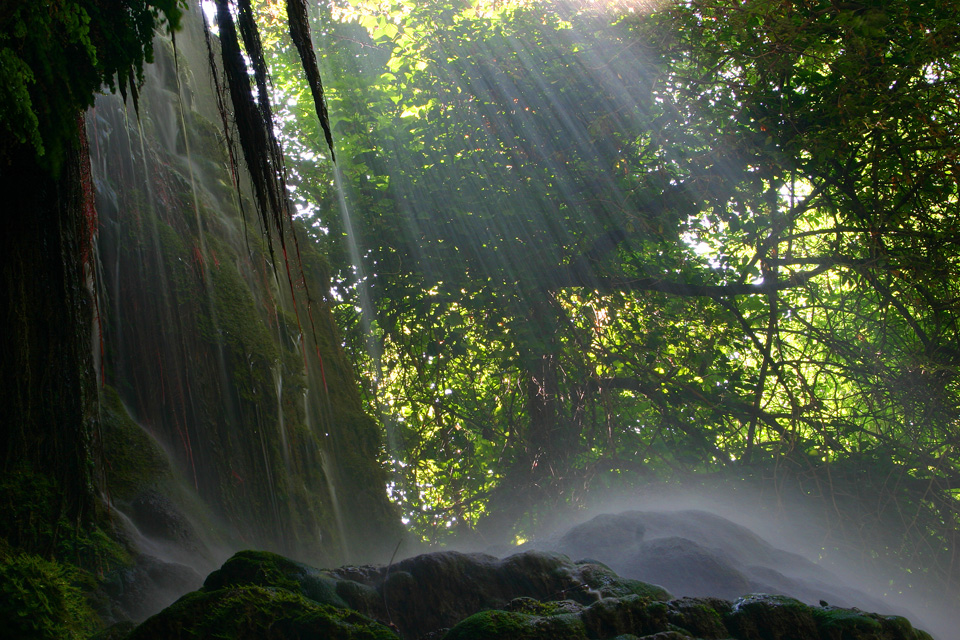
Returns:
(438,590)
(265,569)
(456,596)
(514,625)
(835,623)
(754,617)
(702,617)
(257,612)
(611,617)
(765,617)
(424,594)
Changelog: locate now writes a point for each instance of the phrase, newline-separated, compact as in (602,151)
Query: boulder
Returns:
(531,595)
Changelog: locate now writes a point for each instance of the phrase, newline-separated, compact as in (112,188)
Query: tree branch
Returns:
(612,284)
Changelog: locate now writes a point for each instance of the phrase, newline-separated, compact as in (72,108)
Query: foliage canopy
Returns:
(607,246)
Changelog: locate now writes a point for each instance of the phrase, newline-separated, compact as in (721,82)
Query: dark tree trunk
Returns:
(48,394)
(537,480)
(544,441)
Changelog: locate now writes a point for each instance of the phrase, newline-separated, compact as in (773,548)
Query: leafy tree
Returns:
(716,237)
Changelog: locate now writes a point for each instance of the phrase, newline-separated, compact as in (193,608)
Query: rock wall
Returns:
(224,351)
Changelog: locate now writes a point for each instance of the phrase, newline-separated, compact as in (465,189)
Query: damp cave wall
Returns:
(208,346)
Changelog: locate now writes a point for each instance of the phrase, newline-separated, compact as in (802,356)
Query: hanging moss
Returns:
(53,58)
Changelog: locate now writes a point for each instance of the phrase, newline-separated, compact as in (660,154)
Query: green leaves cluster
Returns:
(55,55)
(717,238)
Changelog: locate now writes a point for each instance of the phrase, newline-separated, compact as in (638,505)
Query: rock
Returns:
(835,623)
(439,590)
(148,585)
(604,536)
(257,612)
(683,566)
(756,617)
(697,553)
(764,617)
(156,516)
(512,625)
(532,595)
(703,617)
(632,614)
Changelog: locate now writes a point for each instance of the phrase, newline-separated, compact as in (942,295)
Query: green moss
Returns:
(645,590)
(701,617)
(631,614)
(239,326)
(133,461)
(257,612)
(255,568)
(835,623)
(28,504)
(359,596)
(516,625)
(539,608)
(41,599)
(116,631)
(566,625)
(265,569)
(490,625)
(610,585)
(32,523)
(767,617)
(901,627)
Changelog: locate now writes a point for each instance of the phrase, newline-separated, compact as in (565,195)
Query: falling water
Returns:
(326,466)
(367,312)
(278,383)
(204,345)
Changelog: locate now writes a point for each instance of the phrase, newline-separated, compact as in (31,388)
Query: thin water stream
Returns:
(202,343)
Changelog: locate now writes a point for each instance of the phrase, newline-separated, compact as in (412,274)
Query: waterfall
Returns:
(211,352)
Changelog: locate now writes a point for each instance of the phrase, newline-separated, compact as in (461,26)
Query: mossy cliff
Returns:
(222,349)
(453,596)
(223,395)
(53,545)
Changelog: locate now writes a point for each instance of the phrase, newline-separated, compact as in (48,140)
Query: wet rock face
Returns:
(700,554)
(438,590)
(136,591)
(532,595)
(157,516)
(757,617)
(688,568)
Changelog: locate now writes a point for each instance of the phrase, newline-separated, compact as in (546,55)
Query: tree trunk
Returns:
(48,394)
